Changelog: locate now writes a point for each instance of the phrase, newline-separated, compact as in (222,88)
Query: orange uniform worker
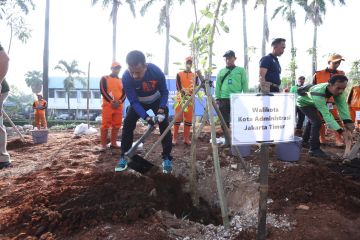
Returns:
(354,103)
(111,89)
(39,107)
(323,76)
(184,87)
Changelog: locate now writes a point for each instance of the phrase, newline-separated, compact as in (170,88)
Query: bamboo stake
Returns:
(264,186)
(263,189)
(170,125)
(88,96)
(220,188)
(227,135)
(13,125)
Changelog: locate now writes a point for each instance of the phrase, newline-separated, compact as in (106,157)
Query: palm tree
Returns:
(69,81)
(24,5)
(46,54)
(34,80)
(164,21)
(113,16)
(288,14)
(265,38)
(246,56)
(315,9)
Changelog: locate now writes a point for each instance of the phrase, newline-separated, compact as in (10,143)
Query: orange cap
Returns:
(115,64)
(189,59)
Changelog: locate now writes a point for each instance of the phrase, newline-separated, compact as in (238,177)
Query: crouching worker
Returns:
(313,101)
(39,107)
(145,88)
(113,96)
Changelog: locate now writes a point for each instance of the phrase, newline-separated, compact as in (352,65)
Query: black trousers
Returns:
(130,125)
(300,118)
(224,107)
(312,129)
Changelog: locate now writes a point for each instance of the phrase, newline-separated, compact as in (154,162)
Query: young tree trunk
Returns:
(46,55)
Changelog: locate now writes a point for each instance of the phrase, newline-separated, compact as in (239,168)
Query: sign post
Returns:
(264,119)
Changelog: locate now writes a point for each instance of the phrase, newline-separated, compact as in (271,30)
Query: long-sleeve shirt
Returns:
(316,96)
(147,90)
(235,82)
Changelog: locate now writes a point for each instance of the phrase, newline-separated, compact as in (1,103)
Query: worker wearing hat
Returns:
(39,107)
(184,87)
(113,96)
(323,76)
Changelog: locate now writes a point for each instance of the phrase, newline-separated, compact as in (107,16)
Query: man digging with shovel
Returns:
(145,87)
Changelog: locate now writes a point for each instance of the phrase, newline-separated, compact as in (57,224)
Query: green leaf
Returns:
(191,30)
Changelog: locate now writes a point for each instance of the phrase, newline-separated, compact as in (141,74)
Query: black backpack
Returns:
(304,89)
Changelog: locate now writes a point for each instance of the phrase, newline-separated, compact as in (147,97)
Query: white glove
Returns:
(160,117)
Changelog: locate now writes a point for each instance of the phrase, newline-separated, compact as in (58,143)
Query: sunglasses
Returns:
(337,62)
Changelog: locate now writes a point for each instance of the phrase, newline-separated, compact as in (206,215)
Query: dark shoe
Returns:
(305,144)
(318,153)
(4,165)
(298,132)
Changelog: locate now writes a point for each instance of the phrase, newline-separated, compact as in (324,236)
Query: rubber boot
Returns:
(114,137)
(175,134)
(103,138)
(187,135)
(322,134)
(338,140)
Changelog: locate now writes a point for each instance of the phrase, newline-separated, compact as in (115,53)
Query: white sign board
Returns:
(256,118)
(357,117)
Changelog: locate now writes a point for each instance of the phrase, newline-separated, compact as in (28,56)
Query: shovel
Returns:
(136,162)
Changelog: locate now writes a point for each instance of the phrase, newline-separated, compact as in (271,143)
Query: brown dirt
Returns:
(66,189)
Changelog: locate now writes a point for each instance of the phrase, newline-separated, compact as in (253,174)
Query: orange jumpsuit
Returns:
(184,87)
(354,103)
(39,114)
(111,89)
(323,76)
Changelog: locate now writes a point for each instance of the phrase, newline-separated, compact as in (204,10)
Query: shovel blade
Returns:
(140,164)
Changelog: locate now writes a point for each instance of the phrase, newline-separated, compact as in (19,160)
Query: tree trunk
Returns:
(246,55)
(46,54)
(114,22)
(314,52)
(68,95)
(11,37)
(219,184)
(167,22)
(293,55)
(265,30)
(193,173)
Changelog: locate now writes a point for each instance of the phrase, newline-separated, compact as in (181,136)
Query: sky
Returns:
(81,32)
